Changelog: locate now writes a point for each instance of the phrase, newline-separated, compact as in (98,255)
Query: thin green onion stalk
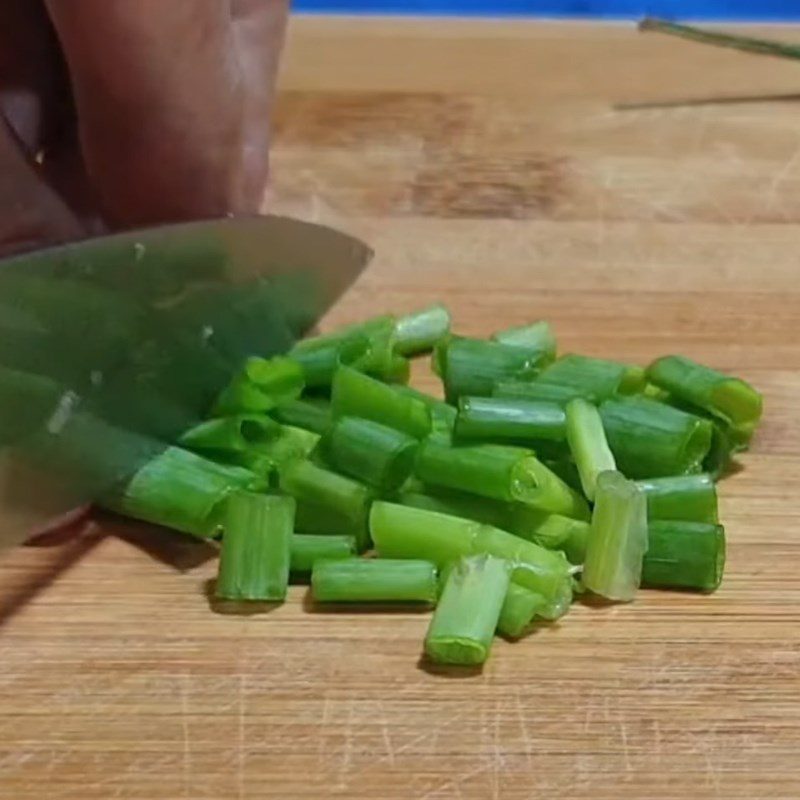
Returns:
(311,413)
(308,548)
(181,490)
(404,532)
(260,386)
(256,547)
(537,336)
(463,625)
(682,497)
(652,440)
(618,539)
(357,395)
(498,472)
(472,366)
(374,580)
(588,443)
(730,399)
(746,44)
(236,433)
(345,498)
(368,451)
(596,379)
(498,419)
(421,330)
(684,555)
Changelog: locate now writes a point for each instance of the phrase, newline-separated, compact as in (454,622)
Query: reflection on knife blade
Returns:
(110,348)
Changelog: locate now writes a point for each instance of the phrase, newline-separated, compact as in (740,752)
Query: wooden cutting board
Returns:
(491,167)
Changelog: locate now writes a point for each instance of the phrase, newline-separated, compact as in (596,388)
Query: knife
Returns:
(112,346)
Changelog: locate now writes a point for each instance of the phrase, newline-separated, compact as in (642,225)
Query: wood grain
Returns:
(488,166)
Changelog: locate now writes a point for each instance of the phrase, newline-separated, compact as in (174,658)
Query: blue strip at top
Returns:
(750,10)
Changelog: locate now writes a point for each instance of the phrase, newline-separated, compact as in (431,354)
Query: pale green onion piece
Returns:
(255,556)
(618,539)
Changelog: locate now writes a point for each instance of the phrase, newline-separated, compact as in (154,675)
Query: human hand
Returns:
(126,112)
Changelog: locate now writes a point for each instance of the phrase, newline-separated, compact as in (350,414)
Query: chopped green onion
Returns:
(307,548)
(520,608)
(684,555)
(685,497)
(735,402)
(535,336)
(566,469)
(404,532)
(653,392)
(596,378)
(321,356)
(237,433)
(588,444)
(313,414)
(380,456)
(291,443)
(460,504)
(506,419)
(498,472)
(618,539)
(260,386)
(473,366)
(443,415)
(255,555)
(367,346)
(466,617)
(652,440)
(493,471)
(723,447)
(398,370)
(181,490)
(309,483)
(357,395)
(259,463)
(313,519)
(360,580)
(379,360)
(419,331)
(552,531)
(539,391)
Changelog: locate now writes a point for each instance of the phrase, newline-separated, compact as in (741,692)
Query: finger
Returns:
(162,99)
(259,33)
(34,96)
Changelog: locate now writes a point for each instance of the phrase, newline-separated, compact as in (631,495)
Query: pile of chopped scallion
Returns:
(537,478)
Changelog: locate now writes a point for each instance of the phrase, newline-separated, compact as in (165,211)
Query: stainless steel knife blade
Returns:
(112,346)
